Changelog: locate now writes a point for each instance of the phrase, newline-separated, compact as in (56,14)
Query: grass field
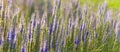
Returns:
(59,26)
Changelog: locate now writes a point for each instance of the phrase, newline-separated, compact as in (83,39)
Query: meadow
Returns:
(59,26)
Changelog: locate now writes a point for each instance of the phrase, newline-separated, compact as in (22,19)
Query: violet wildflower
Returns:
(21,29)
(56,47)
(13,34)
(0,7)
(23,49)
(70,23)
(42,50)
(30,35)
(38,29)
(62,42)
(118,34)
(77,41)
(80,27)
(55,26)
(102,9)
(0,41)
(49,8)
(12,37)
(46,49)
(114,23)
(8,37)
(29,32)
(59,4)
(34,23)
(84,37)
(67,31)
(108,16)
(30,2)
(50,29)
(85,10)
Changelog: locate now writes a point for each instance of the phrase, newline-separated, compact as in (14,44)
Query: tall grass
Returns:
(58,26)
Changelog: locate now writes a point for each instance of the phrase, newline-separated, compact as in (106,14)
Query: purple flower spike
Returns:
(29,35)
(59,4)
(62,42)
(22,29)
(85,36)
(87,33)
(42,50)
(50,29)
(0,41)
(77,42)
(14,45)
(0,7)
(34,23)
(23,49)
(46,49)
(13,34)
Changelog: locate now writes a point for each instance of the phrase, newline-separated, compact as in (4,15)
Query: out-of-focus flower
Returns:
(45,46)
(77,40)
(14,45)
(59,4)
(62,42)
(50,29)
(70,24)
(85,11)
(30,2)
(117,30)
(22,29)
(49,8)
(46,49)
(0,7)
(1,20)
(102,9)
(0,41)
(84,37)
(108,16)
(42,50)
(13,34)
(23,49)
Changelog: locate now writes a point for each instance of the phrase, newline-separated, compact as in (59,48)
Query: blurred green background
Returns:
(115,4)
